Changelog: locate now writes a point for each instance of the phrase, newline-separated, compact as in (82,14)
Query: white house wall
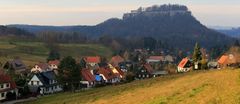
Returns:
(35,79)
(50,90)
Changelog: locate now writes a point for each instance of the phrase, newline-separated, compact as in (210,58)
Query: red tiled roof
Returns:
(92,59)
(4,78)
(161,58)
(55,62)
(223,59)
(43,66)
(183,62)
(120,71)
(148,67)
(228,59)
(107,73)
(87,75)
(116,60)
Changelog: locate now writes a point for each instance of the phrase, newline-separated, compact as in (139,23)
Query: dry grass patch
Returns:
(203,87)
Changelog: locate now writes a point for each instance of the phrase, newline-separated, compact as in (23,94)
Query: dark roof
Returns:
(16,64)
(45,77)
(103,64)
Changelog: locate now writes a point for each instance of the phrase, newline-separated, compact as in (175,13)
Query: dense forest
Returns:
(4,31)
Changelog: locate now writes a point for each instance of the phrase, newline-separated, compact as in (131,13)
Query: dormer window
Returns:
(7,85)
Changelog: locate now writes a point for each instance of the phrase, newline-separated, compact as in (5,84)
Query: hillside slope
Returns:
(173,25)
(34,52)
(200,87)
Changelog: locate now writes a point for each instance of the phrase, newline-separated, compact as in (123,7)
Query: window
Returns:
(55,87)
(31,82)
(143,76)
(2,94)
(37,82)
(1,85)
(7,85)
(147,76)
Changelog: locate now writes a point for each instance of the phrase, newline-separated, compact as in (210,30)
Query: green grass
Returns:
(206,87)
(34,52)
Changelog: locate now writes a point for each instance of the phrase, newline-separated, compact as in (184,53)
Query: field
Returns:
(34,52)
(199,87)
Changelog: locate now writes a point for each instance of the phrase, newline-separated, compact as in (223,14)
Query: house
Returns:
(88,79)
(169,58)
(154,59)
(227,60)
(7,85)
(159,73)
(92,60)
(184,66)
(44,83)
(17,65)
(107,75)
(53,64)
(212,65)
(115,60)
(144,71)
(116,71)
(126,66)
(157,62)
(40,67)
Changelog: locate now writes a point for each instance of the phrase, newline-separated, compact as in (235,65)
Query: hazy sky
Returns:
(91,12)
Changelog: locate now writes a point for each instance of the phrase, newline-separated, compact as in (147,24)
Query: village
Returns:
(94,71)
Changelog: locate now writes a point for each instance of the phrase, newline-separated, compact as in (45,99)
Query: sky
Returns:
(92,12)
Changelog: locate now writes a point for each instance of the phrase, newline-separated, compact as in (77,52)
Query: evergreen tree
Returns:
(197,55)
(82,63)
(53,55)
(69,73)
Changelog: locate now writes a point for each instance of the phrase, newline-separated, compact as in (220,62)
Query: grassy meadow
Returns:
(199,87)
(32,52)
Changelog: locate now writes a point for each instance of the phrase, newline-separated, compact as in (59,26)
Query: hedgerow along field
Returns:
(199,87)
(32,52)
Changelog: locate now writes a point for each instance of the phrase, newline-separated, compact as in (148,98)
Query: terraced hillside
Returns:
(33,52)
(200,87)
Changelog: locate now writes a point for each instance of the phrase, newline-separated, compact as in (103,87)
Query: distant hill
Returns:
(4,31)
(234,32)
(172,24)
